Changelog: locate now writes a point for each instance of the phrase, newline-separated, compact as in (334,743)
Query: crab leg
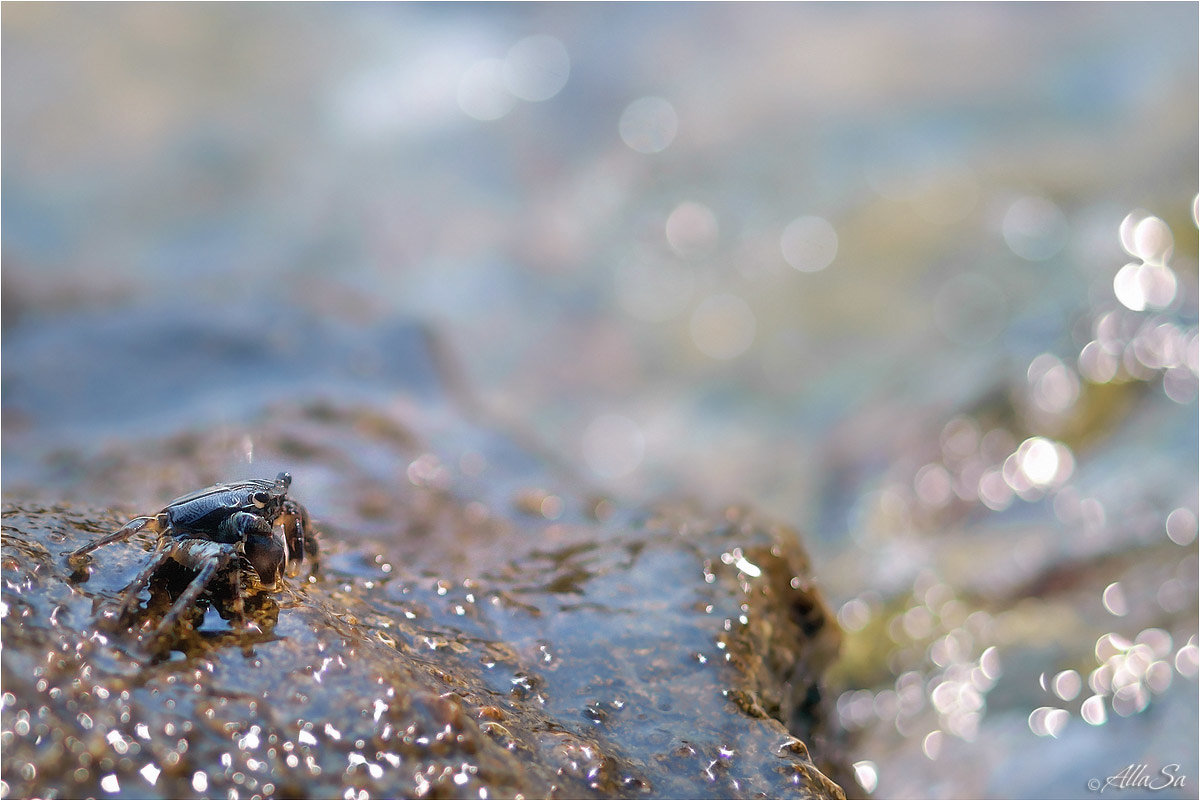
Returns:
(209,558)
(129,595)
(299,536)
(74,558)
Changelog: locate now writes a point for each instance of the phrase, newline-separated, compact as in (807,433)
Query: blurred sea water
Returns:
(918,279)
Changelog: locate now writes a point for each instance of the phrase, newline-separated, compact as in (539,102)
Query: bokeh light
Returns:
(1145,286)
(1147,237)
(1114,600)
(482,91)
(1181,526)
(809,243)
(934,485)
(1038,463)
(1097,363)
(1093,710)
(649,125)
(536,68)
(692,229)
(1129,674)
(613,445)
(1034,228)
(1047,721)
(1053,385)
(854,614)
(1067,685)
(866,774)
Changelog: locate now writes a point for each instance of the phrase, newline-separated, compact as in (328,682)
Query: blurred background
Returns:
(920,280)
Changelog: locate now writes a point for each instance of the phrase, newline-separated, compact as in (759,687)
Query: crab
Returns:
(248,531)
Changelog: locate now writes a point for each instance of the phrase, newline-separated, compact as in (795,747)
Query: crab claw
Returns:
(265,550)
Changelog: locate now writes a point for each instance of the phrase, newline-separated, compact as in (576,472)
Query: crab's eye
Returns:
(259,499)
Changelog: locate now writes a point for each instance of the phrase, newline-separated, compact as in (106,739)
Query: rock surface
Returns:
(449,646)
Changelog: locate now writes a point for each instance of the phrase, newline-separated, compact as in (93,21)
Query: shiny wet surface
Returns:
(630,658)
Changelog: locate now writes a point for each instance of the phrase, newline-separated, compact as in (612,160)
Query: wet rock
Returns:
(457,651)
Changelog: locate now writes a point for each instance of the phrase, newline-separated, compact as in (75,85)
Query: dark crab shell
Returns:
(205,510)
